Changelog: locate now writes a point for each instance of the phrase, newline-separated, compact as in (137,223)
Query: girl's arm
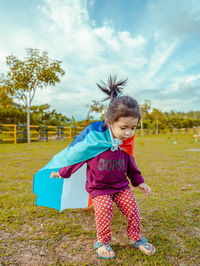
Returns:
(66,172)
(136,178)
(133,172)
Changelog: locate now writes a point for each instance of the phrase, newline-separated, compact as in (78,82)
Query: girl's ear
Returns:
(107,121)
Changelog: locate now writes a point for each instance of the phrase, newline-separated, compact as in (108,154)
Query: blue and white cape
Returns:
(70,192)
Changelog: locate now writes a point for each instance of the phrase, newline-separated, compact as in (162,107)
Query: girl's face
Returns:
(124,127)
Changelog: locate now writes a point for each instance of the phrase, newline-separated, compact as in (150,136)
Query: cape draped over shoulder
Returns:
(70,192)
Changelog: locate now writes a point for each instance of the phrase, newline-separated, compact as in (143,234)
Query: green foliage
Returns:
(37,70)
(42,115)
(5,101)
(96,108)
(39,115)
(43,236)
(12,115)
(170,120)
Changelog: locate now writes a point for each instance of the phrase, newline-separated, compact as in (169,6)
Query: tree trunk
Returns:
(28,125)
(156,126)
(141,122)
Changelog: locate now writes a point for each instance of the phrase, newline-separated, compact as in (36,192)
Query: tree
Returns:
(24,77)
(96,107)
(144,109)
(157,114)
(42,115)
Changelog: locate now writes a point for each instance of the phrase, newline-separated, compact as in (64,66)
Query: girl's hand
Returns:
(55,174)
(145,188)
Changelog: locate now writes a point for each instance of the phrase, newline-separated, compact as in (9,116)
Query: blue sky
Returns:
(153,42)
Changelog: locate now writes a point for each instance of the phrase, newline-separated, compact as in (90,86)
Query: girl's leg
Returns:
(127,205)
(103,206)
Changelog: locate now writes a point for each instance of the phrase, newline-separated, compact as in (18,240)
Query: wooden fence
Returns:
(179,131)
(18,133)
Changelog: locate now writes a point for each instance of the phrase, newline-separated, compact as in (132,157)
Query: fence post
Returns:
(15,134)
(46,132)
(70,134)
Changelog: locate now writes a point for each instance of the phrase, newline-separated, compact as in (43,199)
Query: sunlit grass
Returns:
(169,217)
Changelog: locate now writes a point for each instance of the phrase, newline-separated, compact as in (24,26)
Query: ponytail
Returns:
(119,106)
(114,88)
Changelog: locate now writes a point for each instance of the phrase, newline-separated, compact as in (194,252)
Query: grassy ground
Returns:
(31,235)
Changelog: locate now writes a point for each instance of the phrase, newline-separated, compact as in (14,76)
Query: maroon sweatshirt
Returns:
(107,172)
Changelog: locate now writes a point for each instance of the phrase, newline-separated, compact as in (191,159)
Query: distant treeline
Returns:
(170,120)
(43,115)
(39,115)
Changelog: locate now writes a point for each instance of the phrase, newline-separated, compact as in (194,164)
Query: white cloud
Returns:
(162,52)
(154,62)
(130,42)
(191,78)
(107,34)
(87,45)
(184,79)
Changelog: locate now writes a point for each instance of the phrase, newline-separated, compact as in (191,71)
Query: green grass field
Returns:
(32,235)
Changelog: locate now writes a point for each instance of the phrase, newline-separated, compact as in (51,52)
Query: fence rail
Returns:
(174,131)
(18,133)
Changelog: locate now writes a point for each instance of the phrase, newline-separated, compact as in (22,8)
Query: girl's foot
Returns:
(144,246)
(104,251)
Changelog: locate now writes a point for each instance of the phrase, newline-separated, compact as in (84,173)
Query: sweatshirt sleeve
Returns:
(133,173)
(66,172)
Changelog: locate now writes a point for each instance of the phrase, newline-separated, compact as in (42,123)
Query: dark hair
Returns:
(120,105)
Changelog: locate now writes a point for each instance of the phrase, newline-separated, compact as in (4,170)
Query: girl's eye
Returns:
(123,128)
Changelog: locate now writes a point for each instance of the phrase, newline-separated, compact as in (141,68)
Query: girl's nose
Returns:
(128,132)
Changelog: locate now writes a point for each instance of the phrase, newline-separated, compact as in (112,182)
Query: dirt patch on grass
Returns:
(32,255)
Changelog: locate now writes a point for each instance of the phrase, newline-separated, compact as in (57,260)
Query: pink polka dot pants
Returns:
(126,203)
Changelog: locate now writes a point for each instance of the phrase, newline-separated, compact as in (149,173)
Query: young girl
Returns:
(108,171)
